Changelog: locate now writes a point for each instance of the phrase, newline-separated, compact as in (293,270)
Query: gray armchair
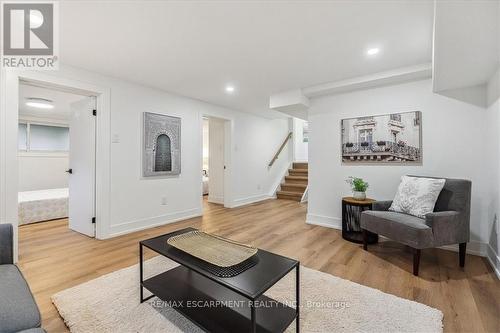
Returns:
(18,310)
(448,224)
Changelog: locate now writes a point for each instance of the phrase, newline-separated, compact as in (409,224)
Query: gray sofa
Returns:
(18,310)
(448,224)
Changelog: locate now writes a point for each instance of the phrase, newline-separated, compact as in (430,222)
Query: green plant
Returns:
(357,184)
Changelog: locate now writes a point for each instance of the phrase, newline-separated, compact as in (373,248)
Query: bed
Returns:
(42,205)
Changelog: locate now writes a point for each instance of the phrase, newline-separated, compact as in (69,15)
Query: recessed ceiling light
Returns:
(40,103)
(373,51)
(230,89)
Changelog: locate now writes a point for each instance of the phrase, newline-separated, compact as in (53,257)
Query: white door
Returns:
(216,160)
(82,167)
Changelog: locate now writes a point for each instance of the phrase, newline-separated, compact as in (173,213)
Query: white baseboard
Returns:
(215,199)
(494,260)
(473,247)
(142,224)
(250,200)
(324,221)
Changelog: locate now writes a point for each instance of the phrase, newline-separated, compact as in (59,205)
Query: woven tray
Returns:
(216,250)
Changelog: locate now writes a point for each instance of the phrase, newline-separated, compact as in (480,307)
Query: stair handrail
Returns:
(288,137)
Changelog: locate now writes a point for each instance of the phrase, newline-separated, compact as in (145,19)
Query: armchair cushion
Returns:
(382,205)
(18,310)
(407,229)
(6,239)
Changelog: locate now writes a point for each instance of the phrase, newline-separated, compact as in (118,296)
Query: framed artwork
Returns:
(161,154)
(392,138)
(305,132)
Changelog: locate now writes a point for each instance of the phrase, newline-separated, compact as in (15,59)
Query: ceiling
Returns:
(196,48)
(467,43)
(61,101)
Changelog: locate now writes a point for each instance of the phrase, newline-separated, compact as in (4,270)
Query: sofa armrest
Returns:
(448,227)
(435,219)
(6,244)
(382,205)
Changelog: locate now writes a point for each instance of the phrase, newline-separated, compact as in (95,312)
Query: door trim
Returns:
(9,87)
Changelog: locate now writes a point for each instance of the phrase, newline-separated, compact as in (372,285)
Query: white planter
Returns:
(359,195)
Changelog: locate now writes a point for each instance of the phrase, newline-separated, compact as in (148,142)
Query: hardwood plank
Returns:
(54,258)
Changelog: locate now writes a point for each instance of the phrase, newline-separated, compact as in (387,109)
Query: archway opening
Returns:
(163,153)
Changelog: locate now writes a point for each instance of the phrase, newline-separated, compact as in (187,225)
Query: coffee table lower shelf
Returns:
(191,293)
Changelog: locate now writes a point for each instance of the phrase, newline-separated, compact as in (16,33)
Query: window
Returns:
(38,137)
(22,137)
(396,117)
(365,135)
(394,136)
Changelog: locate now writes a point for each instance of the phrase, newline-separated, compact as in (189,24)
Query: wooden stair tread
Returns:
(293,187)
(302,186)
(292,194)
(296,177)
(298,171)
(300,165)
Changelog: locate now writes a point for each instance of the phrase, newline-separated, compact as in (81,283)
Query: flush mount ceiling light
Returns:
(40,103)
(230,89)
(373,51)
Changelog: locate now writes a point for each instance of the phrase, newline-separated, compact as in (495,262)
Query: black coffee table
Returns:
(217,304)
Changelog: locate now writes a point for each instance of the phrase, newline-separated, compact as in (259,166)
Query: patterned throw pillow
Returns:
(417,196)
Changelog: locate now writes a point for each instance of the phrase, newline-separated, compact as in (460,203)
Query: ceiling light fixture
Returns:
(40,103)
(373,51)
(230,89)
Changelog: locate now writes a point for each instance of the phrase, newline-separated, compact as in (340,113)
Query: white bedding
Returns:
(43,205)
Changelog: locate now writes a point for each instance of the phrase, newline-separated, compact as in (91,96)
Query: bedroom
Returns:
(45,152)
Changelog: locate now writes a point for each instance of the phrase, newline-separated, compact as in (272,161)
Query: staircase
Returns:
(295,183)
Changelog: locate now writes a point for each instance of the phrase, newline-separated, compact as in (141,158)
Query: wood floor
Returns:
(54,258)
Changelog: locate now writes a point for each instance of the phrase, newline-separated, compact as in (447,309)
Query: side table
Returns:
(351,217)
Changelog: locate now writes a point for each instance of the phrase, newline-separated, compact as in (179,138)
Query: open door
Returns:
(216,164)
(82,136)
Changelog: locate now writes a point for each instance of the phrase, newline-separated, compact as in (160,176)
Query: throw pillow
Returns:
(417,196)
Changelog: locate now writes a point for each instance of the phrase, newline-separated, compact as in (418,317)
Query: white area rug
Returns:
(328,304)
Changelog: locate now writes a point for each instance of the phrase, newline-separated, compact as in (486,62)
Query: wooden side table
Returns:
(351,218)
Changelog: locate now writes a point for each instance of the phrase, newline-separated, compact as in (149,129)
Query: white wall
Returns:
(41,171)
(136,202)
(493,169)
(300,148)
(453,146)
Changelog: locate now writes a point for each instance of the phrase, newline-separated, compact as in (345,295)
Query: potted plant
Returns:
(358,186)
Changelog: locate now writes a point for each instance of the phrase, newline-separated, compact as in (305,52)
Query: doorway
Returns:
(56,157)
(216,160)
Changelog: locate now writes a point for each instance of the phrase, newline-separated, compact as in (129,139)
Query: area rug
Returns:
(110,303)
